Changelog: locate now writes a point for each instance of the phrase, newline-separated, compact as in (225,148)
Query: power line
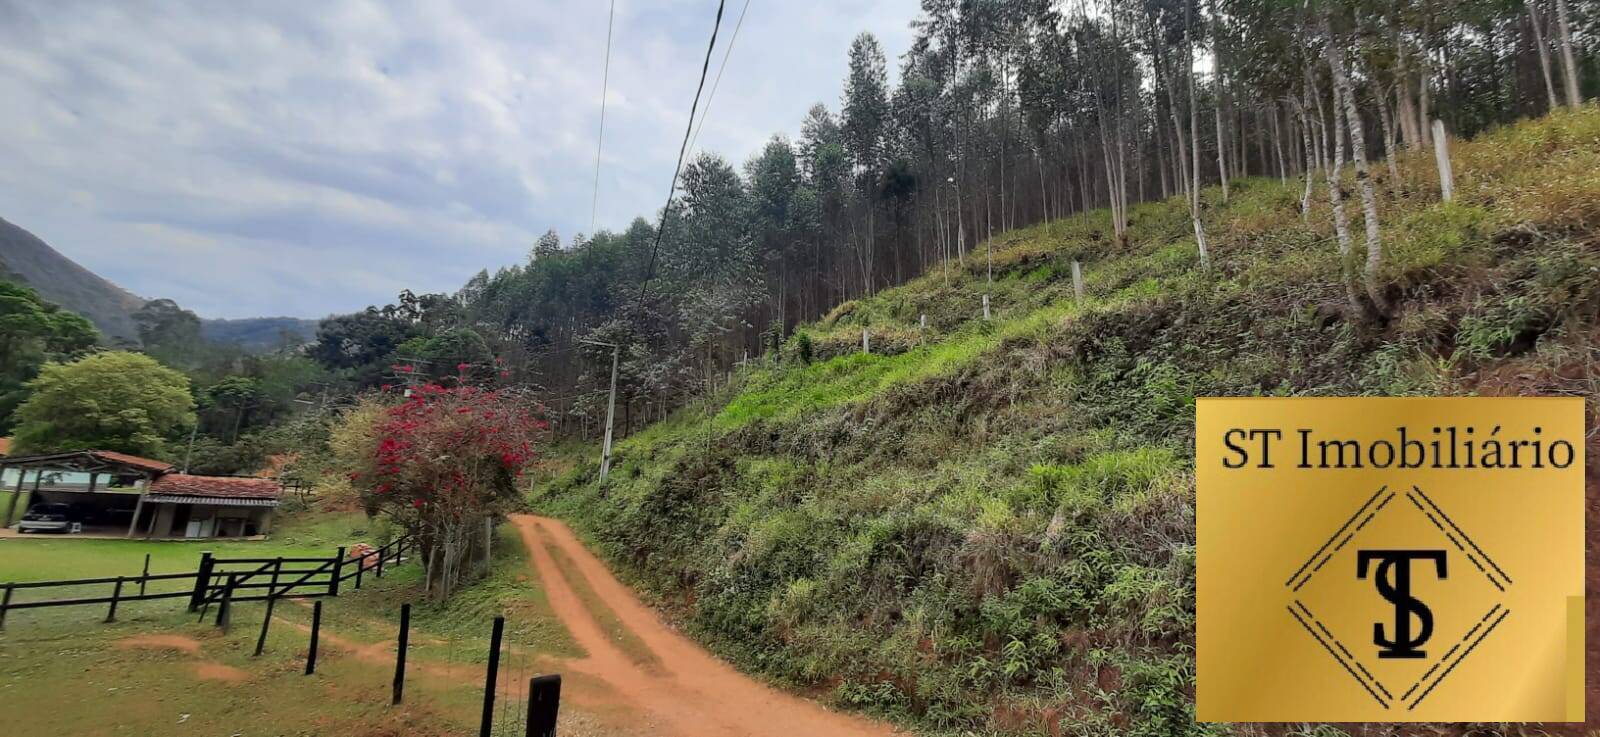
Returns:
(673,189)
(695,141)
(600,139)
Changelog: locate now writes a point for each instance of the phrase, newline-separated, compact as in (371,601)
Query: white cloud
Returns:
(306,158)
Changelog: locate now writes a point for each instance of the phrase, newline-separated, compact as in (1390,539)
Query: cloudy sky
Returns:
(304,158)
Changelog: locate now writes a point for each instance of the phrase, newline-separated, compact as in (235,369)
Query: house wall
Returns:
(207,521)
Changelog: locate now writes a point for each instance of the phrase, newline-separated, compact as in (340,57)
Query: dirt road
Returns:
(690,693)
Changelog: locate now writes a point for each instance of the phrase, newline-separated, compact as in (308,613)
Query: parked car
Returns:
(46,518)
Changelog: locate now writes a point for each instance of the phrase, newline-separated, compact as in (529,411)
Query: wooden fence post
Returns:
(1077,280)
(202,581)
(116,593)
(5,603)
(225,609)
(316,631)
(145,576)
(544,701)
(261,641)
(487,727)
(338,566)
(400,653)
(381,552)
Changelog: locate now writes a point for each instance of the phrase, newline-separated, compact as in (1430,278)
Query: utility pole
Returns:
(187,455)
(611,406)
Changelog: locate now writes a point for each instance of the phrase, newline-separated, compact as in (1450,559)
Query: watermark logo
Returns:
(1356,558)
(1394,584)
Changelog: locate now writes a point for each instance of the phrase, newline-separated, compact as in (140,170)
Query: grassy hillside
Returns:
(989,524)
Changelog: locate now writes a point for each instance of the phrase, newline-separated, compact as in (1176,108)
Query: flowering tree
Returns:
(439,463)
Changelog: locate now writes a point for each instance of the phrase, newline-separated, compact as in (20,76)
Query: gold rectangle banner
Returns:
(1390,560)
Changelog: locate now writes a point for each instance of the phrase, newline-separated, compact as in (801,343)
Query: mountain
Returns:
(256,334)
(26,258)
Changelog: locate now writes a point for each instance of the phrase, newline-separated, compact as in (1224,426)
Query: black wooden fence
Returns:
(217,580)
(223,581)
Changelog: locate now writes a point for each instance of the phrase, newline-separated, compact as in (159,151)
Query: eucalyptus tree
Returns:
(866,112)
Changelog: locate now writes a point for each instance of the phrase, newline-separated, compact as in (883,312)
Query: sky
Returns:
(307,158)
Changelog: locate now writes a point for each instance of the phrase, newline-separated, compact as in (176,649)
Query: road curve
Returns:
(690,693)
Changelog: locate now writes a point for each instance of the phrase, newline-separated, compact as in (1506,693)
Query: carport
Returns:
(104,486)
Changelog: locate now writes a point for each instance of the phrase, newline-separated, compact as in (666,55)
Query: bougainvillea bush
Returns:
(440,462)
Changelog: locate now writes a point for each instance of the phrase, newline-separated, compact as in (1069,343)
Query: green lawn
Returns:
(82,677)
(46,557)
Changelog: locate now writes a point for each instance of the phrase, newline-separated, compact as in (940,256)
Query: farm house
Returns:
(115,493)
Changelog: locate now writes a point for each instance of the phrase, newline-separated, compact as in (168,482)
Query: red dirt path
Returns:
(691,693)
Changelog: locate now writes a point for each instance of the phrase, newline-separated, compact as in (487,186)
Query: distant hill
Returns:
(256,334)
(26,258)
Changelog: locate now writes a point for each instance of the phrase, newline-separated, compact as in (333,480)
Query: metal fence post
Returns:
(338,565)
(316,631)
(400,653)
(116,593)
(487,727)
(544,700)
(202,580)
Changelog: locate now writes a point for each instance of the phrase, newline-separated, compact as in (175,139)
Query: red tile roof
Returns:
(135,461)
(179,484)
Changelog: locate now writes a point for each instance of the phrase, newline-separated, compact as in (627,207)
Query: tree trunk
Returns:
(1569,66)
(1216,99)
(1222,160)
(1358,150)
(1543,48)
(1410,124)
(1311,164)
(1388,136)
(1341,220)
(1277,143)
(1194,152)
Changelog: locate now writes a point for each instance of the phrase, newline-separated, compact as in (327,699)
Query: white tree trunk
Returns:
(1535,20)
(1341,220)
(1381,100)
(1405,104)
(1441,153)
(1194,152)
(1358,150)
(1311,163)
(1567,63)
